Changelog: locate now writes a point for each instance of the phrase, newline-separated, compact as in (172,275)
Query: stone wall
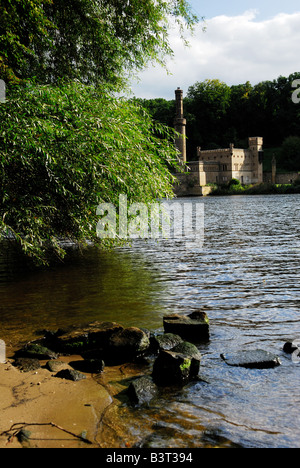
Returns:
(288,178)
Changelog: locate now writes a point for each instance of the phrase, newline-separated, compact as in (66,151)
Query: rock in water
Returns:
(253,359)
(194,327)
(142,390)
(165,342)
(178,366)
(127,345)
(291,346)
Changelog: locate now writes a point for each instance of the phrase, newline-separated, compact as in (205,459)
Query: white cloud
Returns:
(233,49)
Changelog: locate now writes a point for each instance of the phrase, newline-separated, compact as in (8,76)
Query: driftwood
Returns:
(16,428)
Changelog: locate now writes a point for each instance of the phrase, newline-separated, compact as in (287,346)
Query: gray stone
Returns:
(142,390)
(36,351)
(291,346)
(70,374)
(188,349)
(27,364)
(252,359)
(178,366)
(194,326)
(91,366)
(126,345)
(55,366)
(166,342)
(95,335)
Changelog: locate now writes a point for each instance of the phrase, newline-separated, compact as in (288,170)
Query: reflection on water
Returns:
(246,278)
(120,286)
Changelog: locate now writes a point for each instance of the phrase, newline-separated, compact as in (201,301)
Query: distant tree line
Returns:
(218,114)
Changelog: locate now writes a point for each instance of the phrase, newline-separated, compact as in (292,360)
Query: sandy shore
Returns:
(85,408)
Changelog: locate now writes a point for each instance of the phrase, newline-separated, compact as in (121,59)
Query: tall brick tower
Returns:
(180,125)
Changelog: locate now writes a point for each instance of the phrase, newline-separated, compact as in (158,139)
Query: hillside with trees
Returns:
(218,114)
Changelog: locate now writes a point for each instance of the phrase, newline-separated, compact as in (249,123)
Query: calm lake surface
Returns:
(247,279)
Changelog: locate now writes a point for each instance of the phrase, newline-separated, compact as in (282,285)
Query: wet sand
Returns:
(86,408)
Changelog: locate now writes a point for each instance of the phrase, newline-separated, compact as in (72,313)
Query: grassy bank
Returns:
(235,188)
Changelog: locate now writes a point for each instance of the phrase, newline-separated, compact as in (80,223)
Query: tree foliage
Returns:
(66,143)
(65,149)
(89,40)
(218,114)
(290,153)
(24,26)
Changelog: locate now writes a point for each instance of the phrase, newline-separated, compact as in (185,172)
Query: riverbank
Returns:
(82,414)
(259,189)
(52,399)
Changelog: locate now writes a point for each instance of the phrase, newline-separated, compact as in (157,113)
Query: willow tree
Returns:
(66,142)
(89,40)
(63,151)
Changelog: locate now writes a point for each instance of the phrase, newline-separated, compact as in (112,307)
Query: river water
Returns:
(246,277)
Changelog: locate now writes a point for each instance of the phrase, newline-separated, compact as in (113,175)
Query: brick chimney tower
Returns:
(180,125)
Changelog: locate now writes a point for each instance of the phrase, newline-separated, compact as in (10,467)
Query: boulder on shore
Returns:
(36,351)
(93,335)
(101,341)
(27,364)
(194,326)
(70,374)
(90,366)
(177,366)
(252,359)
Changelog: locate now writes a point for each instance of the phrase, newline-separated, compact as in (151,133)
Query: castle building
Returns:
(217,166)
(221,165)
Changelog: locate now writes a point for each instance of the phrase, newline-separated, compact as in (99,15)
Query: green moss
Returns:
(186,365)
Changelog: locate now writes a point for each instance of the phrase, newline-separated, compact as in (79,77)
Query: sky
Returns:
(244,41)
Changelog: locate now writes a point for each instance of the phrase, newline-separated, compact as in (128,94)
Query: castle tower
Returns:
(180,125)
(256,147)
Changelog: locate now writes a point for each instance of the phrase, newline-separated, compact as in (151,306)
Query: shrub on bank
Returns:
(234,187)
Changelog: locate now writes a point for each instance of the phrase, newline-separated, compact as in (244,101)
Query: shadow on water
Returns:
(95,285)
